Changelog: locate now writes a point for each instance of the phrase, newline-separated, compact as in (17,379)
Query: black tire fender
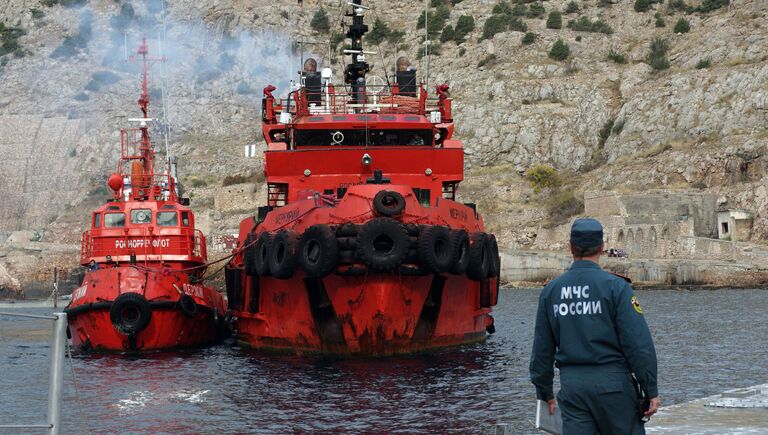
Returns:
(281,253)
(130,313)
(435,248)
(187,305)
(318,251)
(388,203)
(249,255)
(382,243)
(261,254)
(494,265)
(479,258)
(460,252)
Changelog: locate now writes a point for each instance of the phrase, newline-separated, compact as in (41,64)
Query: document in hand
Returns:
(548,423)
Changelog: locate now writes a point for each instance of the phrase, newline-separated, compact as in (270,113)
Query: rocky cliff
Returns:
(611,114)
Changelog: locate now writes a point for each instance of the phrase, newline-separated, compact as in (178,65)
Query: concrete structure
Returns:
(734,225)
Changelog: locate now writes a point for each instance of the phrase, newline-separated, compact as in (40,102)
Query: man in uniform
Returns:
(590,325)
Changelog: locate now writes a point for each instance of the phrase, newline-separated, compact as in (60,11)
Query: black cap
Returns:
(586,233)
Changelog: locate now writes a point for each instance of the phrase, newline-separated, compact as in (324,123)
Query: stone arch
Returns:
(639,242)
(665,242)
(652,243)
(620,240)
(630,242)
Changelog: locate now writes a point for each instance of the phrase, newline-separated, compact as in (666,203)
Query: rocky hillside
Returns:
(594,94)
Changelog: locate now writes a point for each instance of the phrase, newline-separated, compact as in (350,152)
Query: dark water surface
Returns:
(707,341)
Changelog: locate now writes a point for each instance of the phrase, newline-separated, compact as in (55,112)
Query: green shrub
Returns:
(378,33)
(436,20)
(229,180)
(542,177)
(517,25)
(529,38)
(642,5)
(578,38)
(561,206)
(82,96)
(536,10)
(584,24)
(320,22)
(520,10)
(122,20)
(657,57)
(604,133)
(572,8)
(9,40)
(493,25)
(711,5)
(604,3)
(617,57)
(448,34)
(677,5)
(198,182)
(464,26)
(682,26)
(660,22)
(37,13)
(462,51)
(555,20)
(73,44)
(703,64)
(559,50)
(243,88)
(502,8)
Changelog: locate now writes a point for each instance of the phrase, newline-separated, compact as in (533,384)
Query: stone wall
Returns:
(528,267)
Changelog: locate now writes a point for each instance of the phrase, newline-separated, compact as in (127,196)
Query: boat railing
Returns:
(56,374)
(146,245)
(381,99)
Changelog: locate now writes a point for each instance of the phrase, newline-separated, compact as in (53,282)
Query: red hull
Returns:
(402,310)
(93,315)
(374,315)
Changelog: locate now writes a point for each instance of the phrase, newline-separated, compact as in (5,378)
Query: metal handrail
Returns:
(56,381)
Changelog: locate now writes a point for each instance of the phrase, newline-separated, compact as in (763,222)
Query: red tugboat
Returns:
(362,249)
(143,289)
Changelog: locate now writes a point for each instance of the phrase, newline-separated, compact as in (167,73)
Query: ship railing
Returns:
(372,99)
(146,245)
(56,374)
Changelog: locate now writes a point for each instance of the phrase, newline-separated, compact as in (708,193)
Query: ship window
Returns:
(169,206)
(114,220)
(339,118)
(167,219)
(141,216)
(362,137)
(185,218)
(97,220)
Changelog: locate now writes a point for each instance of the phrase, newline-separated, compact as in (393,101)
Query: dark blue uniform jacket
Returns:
(589,317)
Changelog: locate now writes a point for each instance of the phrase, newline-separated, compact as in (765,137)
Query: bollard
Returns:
(56,382)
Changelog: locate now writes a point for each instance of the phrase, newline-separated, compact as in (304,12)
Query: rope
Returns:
(83,421)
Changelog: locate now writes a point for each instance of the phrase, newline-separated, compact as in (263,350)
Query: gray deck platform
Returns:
(739,411)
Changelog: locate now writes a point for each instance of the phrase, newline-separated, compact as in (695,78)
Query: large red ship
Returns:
(362,248)
(143,289)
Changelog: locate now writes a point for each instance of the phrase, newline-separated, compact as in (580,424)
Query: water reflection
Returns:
(707,342)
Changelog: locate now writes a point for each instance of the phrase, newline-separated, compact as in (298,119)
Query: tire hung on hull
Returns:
(281,253)
(261,254)
(479,258)
(388,203)
(494,265)
(249,257)
(187,306)
(130,313)
(460,252)
(318,251)
(435,248)
(382,243)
